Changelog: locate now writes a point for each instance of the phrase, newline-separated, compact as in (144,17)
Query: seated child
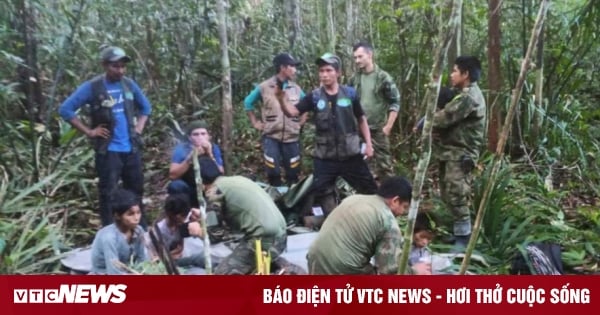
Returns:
(422,236)
(122,240)
(180,221)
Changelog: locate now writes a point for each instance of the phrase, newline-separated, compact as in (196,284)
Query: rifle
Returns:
(202,206)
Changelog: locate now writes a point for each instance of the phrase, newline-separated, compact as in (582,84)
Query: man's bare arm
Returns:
(141,123)
(387,129)
(259,125)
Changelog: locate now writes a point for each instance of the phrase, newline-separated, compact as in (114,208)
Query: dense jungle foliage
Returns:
(548,187)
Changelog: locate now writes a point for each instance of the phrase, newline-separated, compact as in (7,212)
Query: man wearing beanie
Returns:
(181,171)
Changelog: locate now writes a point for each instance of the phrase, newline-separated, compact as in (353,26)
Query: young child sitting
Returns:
(422,236)
(180,221)
(122,240)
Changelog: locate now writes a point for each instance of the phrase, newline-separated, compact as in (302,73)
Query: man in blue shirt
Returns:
(181,171)
(280,134)
(118,111)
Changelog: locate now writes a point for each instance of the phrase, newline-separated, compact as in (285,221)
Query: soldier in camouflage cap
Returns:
(380,99)
(361,227)
(458,138)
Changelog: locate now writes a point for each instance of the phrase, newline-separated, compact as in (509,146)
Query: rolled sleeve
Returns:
(393,97)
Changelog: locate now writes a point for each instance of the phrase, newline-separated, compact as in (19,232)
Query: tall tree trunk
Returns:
(292,9)
(225,83)
(357,21)
(66,52)
(516,145)
(330,26)
(536,119)
(447,32)
(455,49)
(29,75)
(494,72)
(349,36)
(499,156)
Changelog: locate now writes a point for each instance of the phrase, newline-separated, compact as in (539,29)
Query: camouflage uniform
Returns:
(242,261)
(246,207)
(361,227)
(378,96)
(459,129)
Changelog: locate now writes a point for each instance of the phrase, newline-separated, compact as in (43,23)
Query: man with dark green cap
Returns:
(339,118)
(181,171)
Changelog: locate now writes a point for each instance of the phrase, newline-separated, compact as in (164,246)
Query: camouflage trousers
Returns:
(242,261)
(455,187)
(381,164)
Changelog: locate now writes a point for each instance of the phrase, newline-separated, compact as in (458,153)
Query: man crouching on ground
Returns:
(361,227)
(245,207)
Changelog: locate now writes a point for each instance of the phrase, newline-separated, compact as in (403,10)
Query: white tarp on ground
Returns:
(79,260)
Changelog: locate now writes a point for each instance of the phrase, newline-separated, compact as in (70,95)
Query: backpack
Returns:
(537,259)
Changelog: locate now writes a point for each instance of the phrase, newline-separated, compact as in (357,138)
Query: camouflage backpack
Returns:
(537,259)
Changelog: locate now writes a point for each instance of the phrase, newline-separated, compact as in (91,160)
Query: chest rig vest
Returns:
(336,127)
(101,113)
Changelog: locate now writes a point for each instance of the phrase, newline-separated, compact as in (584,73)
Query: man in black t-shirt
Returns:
(338,118)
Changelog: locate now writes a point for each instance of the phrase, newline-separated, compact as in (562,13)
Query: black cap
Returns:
(330,59)
(114,54)
(285,59)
